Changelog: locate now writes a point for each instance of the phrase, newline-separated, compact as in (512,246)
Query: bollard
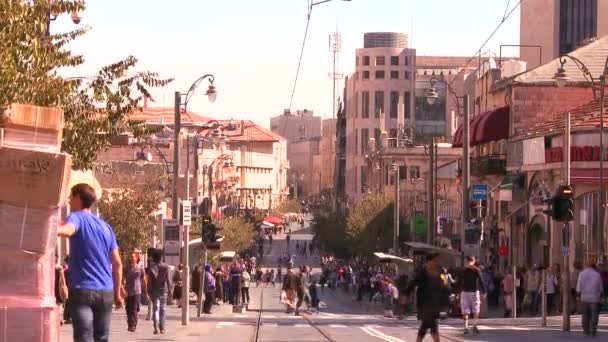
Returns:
(514,296)
(543,291)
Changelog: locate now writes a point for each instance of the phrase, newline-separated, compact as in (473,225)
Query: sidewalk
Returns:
(197,330)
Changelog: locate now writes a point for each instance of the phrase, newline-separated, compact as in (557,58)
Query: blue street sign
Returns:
(565,251)
(480,191)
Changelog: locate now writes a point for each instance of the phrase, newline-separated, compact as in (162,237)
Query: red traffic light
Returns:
(566,190)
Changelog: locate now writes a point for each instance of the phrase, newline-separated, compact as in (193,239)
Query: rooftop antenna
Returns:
(335,47)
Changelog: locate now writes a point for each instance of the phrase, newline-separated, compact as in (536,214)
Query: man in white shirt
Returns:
(590,291)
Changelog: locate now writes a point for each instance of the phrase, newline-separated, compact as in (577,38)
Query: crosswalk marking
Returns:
(300,325)
(337,326)
(269,316)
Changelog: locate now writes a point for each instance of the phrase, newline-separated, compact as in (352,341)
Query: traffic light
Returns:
(209,234)
(562,204)
(565,197)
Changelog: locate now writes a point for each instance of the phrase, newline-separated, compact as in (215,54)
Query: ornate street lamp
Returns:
(561,78)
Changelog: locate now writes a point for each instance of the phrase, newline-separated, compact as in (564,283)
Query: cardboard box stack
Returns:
(34,177)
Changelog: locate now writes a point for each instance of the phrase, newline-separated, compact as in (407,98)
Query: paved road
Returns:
(341,318)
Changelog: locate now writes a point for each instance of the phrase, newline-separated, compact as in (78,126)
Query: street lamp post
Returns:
(211,94)
(431,96)
(395,169)
(561,78)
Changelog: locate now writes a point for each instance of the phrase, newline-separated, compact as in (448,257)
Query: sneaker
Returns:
(155,332)
(466,331)
(162,331)
(475,329)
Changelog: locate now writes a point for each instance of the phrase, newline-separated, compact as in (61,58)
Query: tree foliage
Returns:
(370,224)
(288,206)
(238,234)
(330,232)
(130,209)
(96,108)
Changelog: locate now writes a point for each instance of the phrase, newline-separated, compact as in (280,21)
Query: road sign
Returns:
(186,212)
(480,191)
(565,251)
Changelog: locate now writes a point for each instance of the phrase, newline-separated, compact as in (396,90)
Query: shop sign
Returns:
(577,153)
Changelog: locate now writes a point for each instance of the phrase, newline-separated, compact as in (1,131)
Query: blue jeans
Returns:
(590,313)
(159,312)
(91,311)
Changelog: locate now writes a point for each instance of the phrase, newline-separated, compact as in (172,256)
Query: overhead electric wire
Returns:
(504,18)
(295,81)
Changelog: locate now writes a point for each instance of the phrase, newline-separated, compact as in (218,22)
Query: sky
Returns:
(252,46)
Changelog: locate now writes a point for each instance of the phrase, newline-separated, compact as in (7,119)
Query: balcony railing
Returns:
(494,164)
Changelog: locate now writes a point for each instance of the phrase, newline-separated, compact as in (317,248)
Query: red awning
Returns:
(492,126)
(489,126)
(457,137)
(273,219)
(586,176)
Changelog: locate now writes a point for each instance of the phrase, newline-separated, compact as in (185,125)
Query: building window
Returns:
(414,172)
(365,104)
(356,104)
(364,139)
(407,75)
(394,60)
(357,61)
(356,141)
(577,22)
(394,74)
(394,109)
(402,172)
(380,60)
(406,60)
(378,103)
(365,60)
(378,138)
(392,142)
(406,104)
(363,179)
(366,74)
(379,74)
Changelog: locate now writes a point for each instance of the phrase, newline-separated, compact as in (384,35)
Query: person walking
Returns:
(551,284)
(290,285)
(303,289)
(507,290)
(209,287)
(95,267)
(533,280)
(157,279)
(470,297)
(590,292)
(219,291)
(245,284)
(195,281)
(61,288)
(428,283)
(177,285)
(236,274)
(135,280)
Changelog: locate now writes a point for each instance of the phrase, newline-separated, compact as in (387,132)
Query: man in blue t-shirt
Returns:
(95,267)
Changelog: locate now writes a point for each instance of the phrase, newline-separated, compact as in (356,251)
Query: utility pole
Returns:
(396,218)
(431,196)
(177,126)
(601,233)
(186,249)
(566,232)
(466,165)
